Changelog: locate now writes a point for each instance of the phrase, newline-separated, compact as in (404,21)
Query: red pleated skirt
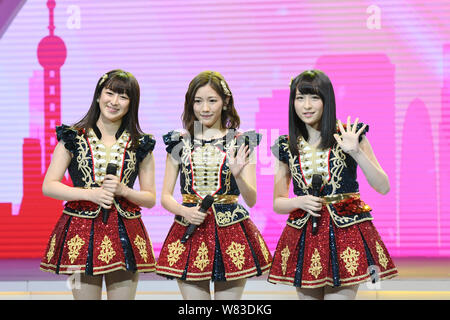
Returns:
(92,247)
(333,257)
(214,253)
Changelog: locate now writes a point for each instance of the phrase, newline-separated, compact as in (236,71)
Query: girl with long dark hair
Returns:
(100,231)
(344,249)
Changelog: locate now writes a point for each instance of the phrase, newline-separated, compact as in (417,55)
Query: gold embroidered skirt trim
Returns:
(218,198)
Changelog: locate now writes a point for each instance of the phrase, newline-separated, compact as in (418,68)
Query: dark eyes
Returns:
(122,96)
(302,97)
(209,100)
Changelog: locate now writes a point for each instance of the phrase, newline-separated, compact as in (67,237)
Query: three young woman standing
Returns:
(212,157)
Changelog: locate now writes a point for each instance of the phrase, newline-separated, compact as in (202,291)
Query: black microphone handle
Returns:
(191,228)
(189,231)
(314,220)
(105,213)
(111,168)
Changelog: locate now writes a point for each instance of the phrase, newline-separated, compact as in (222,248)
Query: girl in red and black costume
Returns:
(82,242)
(346,249)
(212,158)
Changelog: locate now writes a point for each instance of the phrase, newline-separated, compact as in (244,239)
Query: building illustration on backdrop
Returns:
(347,83)
(362,83)
(37,214)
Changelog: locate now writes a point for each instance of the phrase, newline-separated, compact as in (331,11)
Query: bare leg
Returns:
(121,285)
(87,287)
(341,293)
(310,293)
(229,290)
(194,290)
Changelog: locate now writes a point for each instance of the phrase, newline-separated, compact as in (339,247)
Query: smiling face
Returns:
(309,108)
(113,105)
(208,107)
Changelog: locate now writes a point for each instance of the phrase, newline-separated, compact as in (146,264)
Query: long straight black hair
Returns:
(312,82)
(121,82)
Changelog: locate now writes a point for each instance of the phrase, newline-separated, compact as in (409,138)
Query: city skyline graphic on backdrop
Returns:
(418,174)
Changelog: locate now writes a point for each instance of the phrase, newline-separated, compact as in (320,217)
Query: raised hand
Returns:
(348,140)
(238,162)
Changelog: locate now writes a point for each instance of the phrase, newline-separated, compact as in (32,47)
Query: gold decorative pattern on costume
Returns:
(299,222)
(207,161)
(142,246)
(226,217)
(107,252)
(51,250)
(236,253)
(381,255)
(337,164)
(285,253)
(129,167)
(316,267)
(175,250)
(83,161)
(185,162)
(102,155)
(264,250)
(313,160)
(227,183)
(350,257)
(295,172)
(201,261)
(75,245)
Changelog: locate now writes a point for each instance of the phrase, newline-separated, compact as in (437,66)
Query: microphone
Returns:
(316,185)
(110,169)
(204,206)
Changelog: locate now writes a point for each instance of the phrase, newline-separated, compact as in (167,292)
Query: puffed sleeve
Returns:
(280,149)
(171,139)
(366,129)
(68,135)
(249,138)
(146,145)
(358,126)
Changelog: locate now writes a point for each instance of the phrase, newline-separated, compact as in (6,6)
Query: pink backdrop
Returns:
(389,63)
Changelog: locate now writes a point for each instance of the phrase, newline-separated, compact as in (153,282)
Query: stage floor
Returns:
(419,278)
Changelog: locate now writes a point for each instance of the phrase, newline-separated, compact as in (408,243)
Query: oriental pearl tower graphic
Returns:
(25,235)
(51,54)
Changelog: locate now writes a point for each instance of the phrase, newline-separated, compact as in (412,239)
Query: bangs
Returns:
(309,82)
(308,88)
(119,84)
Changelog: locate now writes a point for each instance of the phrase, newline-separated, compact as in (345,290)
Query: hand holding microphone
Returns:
(205,205)
(110,169)
(316,184)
